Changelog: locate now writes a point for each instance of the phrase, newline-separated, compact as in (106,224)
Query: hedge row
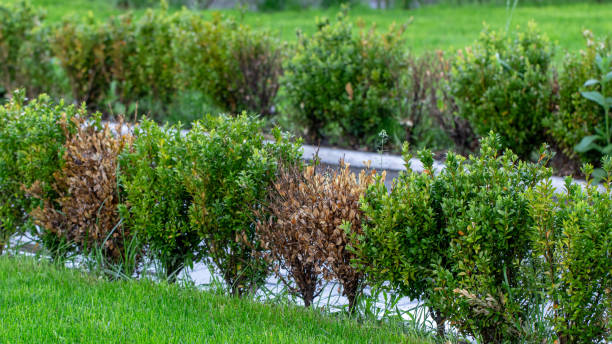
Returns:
(485,243)
(339,86)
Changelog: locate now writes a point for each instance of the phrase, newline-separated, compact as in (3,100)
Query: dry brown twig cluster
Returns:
(86,210)
(304,235)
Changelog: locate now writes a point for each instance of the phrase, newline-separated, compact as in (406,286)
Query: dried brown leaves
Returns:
(303,233)
(86,210)
(486,307)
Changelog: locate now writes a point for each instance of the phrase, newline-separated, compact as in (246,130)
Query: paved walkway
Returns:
(393,164)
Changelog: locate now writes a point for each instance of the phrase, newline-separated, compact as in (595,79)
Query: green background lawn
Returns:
(433,27)
(40,303)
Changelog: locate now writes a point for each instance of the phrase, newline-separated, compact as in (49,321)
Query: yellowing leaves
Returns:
(349,90)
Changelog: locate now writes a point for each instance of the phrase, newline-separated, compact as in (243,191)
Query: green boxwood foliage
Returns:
(80,47)
(457,239)
(279,5)
(32,139)
(505,85)
(230,168)
(405,235)
(572,241)
(331,3)
(577,116)
(237,67)
(142,59)
(124,59)
(25,57)
(134,3)
(157,202)
(344,87)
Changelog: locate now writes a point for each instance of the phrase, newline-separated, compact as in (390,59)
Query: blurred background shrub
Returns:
(504,84)
(577,116)
(345,88)
(236,67)
(431,119)
(25,55)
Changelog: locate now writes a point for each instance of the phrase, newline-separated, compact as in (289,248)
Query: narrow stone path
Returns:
(390,163)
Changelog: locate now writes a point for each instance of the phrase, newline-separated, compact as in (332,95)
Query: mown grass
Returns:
(40,303)
(444,27)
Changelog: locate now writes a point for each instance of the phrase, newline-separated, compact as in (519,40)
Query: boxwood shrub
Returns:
(457,239)
(345,88)
(156,202)
(304,235)
(127,60)
(504,83)
(80,47)
(84,213)
(25,55)
(431,119)
(577,116)
(148,71)
(32,140)
(229,169)
(573,232)
(236,67)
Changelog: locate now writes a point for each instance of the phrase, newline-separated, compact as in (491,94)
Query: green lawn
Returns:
(434,27)
(40,303)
